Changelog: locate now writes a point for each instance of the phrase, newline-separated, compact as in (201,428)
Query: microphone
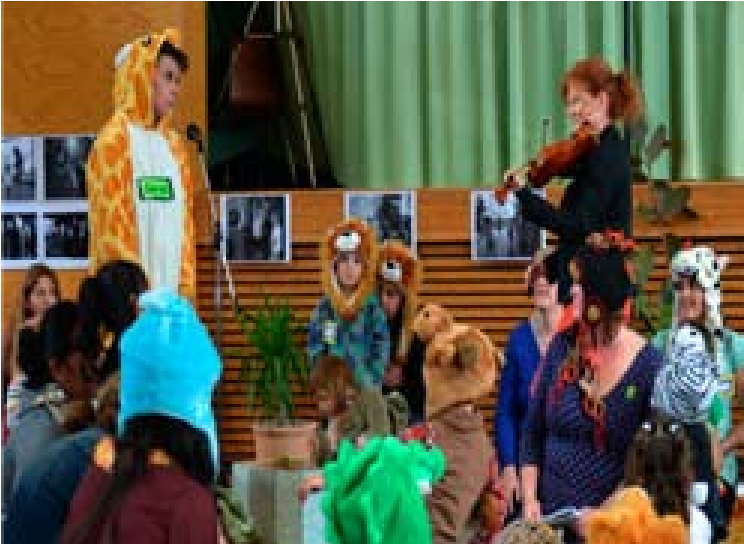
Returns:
(194,134)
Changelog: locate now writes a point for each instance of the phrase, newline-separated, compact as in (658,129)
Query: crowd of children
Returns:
(113,434)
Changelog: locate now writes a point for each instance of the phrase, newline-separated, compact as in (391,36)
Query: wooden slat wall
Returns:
(489,295)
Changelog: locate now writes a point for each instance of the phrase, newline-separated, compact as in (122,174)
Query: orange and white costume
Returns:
(132,147)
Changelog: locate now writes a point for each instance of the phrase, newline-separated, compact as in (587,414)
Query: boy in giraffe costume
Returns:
(140,188)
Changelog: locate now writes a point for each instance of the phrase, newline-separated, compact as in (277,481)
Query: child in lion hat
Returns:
(348,322)
(398,284)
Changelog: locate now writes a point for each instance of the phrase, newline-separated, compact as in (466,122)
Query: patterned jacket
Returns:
(364,342)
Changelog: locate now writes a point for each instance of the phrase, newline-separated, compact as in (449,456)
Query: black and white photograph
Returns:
(21,167)
(20,241)
(391,214)
(256,227)
(64,166)
(499,231)
(65,235)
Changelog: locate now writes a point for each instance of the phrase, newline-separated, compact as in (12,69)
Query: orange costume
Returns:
(140,189)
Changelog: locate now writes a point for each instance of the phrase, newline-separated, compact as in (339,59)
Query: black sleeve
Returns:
(598,199)
(590,207)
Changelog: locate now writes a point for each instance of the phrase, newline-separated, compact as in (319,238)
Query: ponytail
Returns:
(626,102)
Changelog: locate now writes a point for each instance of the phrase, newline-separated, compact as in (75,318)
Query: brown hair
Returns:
(335,377)
(10,349)
(660,461)
(34,274)
(622,88)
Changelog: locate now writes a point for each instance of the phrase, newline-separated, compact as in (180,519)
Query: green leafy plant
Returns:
(278,363)
(666,202)
(655,317)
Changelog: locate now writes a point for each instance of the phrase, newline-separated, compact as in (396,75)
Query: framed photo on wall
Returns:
(64,166)
(20,239)
(22,168)
(392,214)
(499,231)
(256,227)
(44,203)
(65,237)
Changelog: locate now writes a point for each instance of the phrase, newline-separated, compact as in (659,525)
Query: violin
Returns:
(553,159)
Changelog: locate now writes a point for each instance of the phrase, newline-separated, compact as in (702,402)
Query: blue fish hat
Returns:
(169,366)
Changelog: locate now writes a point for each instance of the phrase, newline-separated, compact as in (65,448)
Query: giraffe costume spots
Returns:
(132,147)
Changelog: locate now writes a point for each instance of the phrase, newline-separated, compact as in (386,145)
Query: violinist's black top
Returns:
(599,198)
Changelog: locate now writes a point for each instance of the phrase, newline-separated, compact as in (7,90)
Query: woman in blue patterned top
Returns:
(525,348)
(592,395)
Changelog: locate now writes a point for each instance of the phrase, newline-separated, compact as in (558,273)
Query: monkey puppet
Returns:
(459,367)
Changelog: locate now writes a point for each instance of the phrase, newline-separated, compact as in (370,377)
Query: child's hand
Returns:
(580,525)
(311,484)
(512,487)
(718,450)
(531,510)
(333,433)
(393,375)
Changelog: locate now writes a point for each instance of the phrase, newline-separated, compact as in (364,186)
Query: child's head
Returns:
(64,356)
(399,282)
(40,291)
(108,303)
(334,386)
(348,253)
(349,267)
(660,461)
(525,532)
(391,298)
(171,63)
(169,367)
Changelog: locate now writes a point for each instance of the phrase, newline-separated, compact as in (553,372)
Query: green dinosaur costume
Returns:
(375,495)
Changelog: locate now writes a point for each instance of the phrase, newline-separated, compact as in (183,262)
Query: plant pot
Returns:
(292,445)
(270,497)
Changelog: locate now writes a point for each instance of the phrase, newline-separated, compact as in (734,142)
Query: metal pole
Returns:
(300,94)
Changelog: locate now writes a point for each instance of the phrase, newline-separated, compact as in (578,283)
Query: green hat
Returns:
(376,495)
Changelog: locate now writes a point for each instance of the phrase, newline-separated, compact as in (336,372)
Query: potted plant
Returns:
(272,375)
(655,317)
(666,203)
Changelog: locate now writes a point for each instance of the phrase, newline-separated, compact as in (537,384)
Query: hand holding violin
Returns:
(553,160)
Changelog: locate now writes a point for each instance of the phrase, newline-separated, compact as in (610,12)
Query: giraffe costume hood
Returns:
(140,187)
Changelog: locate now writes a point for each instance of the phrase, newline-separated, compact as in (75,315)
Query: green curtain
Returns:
(688,56)
(434,94)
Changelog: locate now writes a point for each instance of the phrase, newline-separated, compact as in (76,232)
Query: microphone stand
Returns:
(193,133)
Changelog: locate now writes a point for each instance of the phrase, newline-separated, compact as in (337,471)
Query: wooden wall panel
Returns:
(57,74)
(487,294)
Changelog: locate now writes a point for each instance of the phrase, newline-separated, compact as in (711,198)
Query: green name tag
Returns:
(155,188)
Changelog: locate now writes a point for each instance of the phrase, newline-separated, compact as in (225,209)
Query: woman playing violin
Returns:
(599,198)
